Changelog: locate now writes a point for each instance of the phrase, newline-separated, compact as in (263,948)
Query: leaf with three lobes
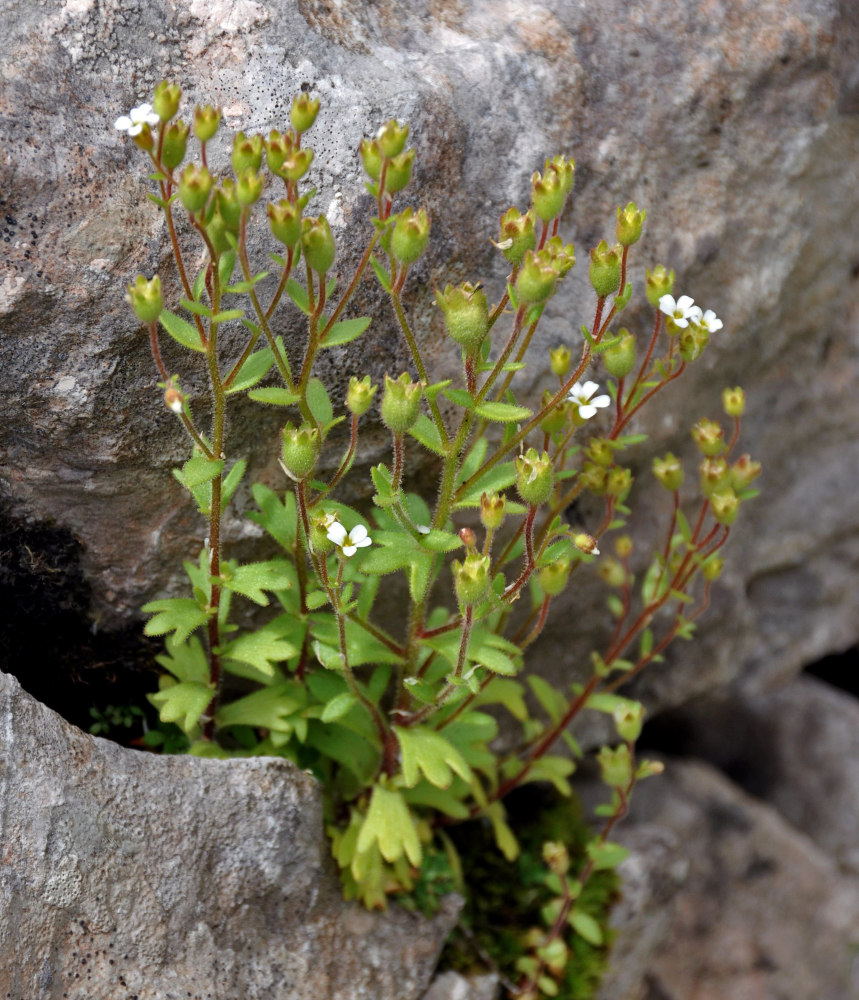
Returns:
(263,649)
(182,703)
(426,751)
(269,708)
(440,799)
(180,615)
(254,578)
(389,824)
(187,661)
(279,518)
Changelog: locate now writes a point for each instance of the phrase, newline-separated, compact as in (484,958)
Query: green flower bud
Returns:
(556,419)
(410,236)
(371,157)
(359,395)
(620,357)
(693,340)
(612,572)
(744,472)
(216,230)
(623,546)
(586,543)
(206,121)
(392,138)
(466,314)
(548,194)
(284,220)
(629,720)
(605,269)
(537,278)
(144,139)
(471,579)
(556,856)
(195,184)
(249,187)
(174,145)
(518,234)
(658,282)
(565,169)
(145,299)
(296,166)
(668,471)
(278,148)
(300,449)
(619,482)
(165,103)
(715,475)
(534,477)
(317,242)
(712,568)
(709,437)
(399,171)
(492,510)
(629,223)
(553,577)
(228,205)
(247,153)
(560,358)
(600,452)
(615,765)
(734,402)
(303,112)
(320,522)
(725,506)
(561,255)
(593,478)
(401,403)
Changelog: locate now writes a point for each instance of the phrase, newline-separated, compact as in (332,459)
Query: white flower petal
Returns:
(135,129)
(349,550)
(337,533)
(588,389)
(601,401)
(695,314)
(667,304)
(358,534)
(685,303)
(123,123)
(587,411)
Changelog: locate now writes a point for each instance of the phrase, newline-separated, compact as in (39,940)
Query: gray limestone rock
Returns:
(167,878)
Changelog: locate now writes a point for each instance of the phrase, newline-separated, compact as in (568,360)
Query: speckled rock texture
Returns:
(736,123)
(127,875)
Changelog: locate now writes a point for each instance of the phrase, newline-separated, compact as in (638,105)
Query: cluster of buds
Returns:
(386,161)
(541,270)
(549,190)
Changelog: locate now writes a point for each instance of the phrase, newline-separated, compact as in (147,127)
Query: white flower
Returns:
(710,321)
(133,122)
(356,539)
(679,311)
(581,396)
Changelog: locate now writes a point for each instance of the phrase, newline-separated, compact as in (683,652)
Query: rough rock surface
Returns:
(735,123)
(761,914)
(453,986)
(125,874)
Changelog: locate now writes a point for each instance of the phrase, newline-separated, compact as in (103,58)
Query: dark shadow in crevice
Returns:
(841,670)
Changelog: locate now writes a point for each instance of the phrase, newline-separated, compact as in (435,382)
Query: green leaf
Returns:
(180,615)
(269,708)
(256,367)
(426,433)
(431,391)
(553,703)
(275,395)
(461,397)
(319,402)
(198,308)
(242,287)
(606,854)
(187,661)
(493,481)
(279,518)
(298,295)
(254,578)
(199,470)
(585,926)
(438,799)
(182,331)
(338,706)
(382,273)
(505,839)
(345,332)
(424,750)
(390,824)
(473,460)
(226,266)
(441,541)
(227,315)
(502,412)
(419,574)
(182,703)
(506,692)
(555,770)
(263,649)
(199,285)
(231,482)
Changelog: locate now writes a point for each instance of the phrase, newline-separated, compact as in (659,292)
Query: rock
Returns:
(129,874)
(762,912)
(453,986)
(741,141)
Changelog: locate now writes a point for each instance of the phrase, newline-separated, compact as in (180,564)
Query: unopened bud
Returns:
(317,242)
(401,403)
(534,477)
(173,398)
(553,577)
(300,449)
(620,357)
(399,171)
(548,194)
(303,112)
(145,298)
(537,278)
(612,572)
(712,568)
(556,418)
(249,187)
(359,395)
(247,153)
(668,471)
(734,401)
(629,720)
(471,578)
(492,510)
(615,765)
(206,121)
(392,138)
(556,857)
(658,282)
(467,537)
(195,184)
(466,314)
(410,236)
(629,224)
(284,219)
(619,482)
(623,546)
(600,451)
(593,478)
(165,102)
(277,148)
(174,145)
(371,157)
(560,358)
(586,543)
(693,340)
(605,268)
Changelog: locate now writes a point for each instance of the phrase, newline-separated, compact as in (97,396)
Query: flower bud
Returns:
(744,472)
(492,510)
(565,169)
(548,194)
(615,765)
(249,187)
(144,139)
(284,220)
(517,234)
(294,167)
(734,402)
(586,543)
(303,112)
(620,357)
(317,242)
(392,138)
(537,278)
(629,223)
(206,121)
(629,720)
(410,236)
(195,184)
(556,418)
(471,579)
(600,452)
(247,153)
(277,149)
(217,230)
(668,471)
(173,398)
(593,478)
(553,577)
(709,437)
(560,358)
(467,537)
(228,205)
(658,282)
(623,546)
(715,475)
(693,340)
(534,477)
(399,171)
(145,298)
(466,314)
(561,255)
(612,572)
(605,267)
(165,103)
(401,403)
(174,145)
(371,157)
(300,449)
(320,522)
(712,568)
(725,506)
(619,482)
(359,395)
(556,856)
